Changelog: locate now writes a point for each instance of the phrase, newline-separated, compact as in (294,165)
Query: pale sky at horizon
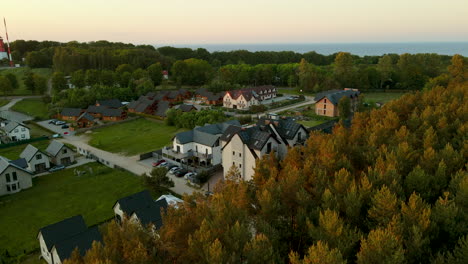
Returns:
(237,21)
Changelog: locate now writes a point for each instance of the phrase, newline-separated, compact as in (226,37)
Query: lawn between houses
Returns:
(133,137)
(58,196)
(34,107)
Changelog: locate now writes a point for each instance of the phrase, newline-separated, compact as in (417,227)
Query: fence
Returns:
(146,155)
(22,142)
(82,130)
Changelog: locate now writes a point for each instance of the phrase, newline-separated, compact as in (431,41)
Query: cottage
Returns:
(327,101)
(144,105)
(162,108)
(210,98)
(13,177)
(60,153)
(200,145)
(85,120)
(16,131)
(242,146)
(37,160)
(70,114)
(83,241)
(110,114)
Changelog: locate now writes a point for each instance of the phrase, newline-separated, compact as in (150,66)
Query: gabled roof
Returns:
(335,95)
(71,112)
(55,147)
(83,241)
(206,135)
(22,163)
(86,116)
(135,201)
(111,103)
(62,230)
(256,137)
(151,214)
(230,132)
(95,109)
(112,112)
(12,125)
(29,152)
(286,127)
(5,163)
(163,106)
(185,107)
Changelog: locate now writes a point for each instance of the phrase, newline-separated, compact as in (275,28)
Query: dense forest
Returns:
(121,65)
(392,188)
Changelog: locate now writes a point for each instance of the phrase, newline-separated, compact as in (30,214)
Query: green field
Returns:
(19,72)
(32,106)
(381,97)
(14,152)
(133,137)
(58,196)
(3,102)
(311,123)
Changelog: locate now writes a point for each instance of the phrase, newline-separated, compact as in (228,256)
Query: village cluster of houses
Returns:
(57,241)
(16,175)
(12,131)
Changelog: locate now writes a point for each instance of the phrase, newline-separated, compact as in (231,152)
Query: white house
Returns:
(63,250)
(200,145)
(37,160)
(245,98)
(13,178)
(60,153)
(16,131)
(242,146)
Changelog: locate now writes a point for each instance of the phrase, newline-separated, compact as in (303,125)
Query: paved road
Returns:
(308,100)
(8,114)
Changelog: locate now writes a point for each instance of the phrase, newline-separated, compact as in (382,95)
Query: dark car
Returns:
(65,126)
(57,168)
(181,172)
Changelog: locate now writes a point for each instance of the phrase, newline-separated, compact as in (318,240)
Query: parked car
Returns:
(180,172)
(53,121)
(65,126)
(174,169)
(155,164)
(59,123)
(171,167)
(190,175)
(56,136)
(57,168)
(163,164)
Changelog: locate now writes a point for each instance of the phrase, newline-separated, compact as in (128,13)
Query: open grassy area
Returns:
(19,72)
(32,106)
(311,123)
(134,137)
(3,102)
(58,196)
(381,97)
(14,152)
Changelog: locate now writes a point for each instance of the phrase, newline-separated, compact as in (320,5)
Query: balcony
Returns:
(176,154)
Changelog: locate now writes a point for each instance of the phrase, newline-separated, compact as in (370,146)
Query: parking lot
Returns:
(56,128)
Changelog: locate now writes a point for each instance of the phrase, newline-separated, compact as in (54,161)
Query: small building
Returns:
(162,108)
(150,215)
(83,241)
(327,101)
(60,153)
(125,206)
(16,131)
(110,114)
(110,103)
(186,107)
(85,120)
(70,114)
(37,160)
(13,177)
(209,98)
(144,105)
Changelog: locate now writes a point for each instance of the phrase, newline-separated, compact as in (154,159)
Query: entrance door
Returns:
(40,167)
(65,161)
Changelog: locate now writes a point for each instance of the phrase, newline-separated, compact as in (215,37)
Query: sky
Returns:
(237,21)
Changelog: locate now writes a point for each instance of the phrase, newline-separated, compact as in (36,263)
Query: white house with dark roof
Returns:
(60,153)
(243,99)
(16,131)
(83,241)
(200,144)
(242,146)
(37,160)
(13,178)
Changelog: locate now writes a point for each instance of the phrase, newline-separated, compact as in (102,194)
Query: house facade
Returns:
(70,114)
(13,178)
(243,99)
(16,131)
(60,153)
(327,102)
(37,160)
(241,146)
(85,120)
(209,98)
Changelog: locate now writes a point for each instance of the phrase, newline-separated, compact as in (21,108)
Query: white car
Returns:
(163,164)
(59,123)
(190,175)
(174,169)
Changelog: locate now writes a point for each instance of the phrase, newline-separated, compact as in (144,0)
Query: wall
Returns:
(44,252)
(23,178)
(70,154)
(19,132)
(44,159)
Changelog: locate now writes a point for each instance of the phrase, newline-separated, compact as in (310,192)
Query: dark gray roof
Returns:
(230,132)
(12,125)
(256,137)
(206,135)
(286,127)
(335,95)
(151,214)
(112,103)
(5,163)
(186,107)
(87,116)
(83,241)
(95,109)
(112,112)
(54,147)
(71,111)
(142,103)
(163,106)
(62,230)
(135,201)
(29,152)
(22,163)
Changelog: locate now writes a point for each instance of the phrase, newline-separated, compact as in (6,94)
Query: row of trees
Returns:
(189,120)
(32,81)
(392,188)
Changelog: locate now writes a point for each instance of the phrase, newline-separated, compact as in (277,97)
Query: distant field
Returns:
(381,97)
(134,137)
(33,107)
(19,72)
(311,123)
(14,152)
(58,196)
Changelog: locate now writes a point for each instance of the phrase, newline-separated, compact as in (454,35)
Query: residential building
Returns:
(60,153)
(241,146)
(16,131)
(13,177)
(110,103)
(83,241)
(200,145)
(70,114)
(210,98)
(244,98)
(162,108)
(144,105)
(327,101)
(37,160)
(186,107)
(85,120)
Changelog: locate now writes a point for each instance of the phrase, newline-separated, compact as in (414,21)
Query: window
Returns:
(13,187)
(8,188)
(233,163)
(299,136)
(324,101)
(240,165)
(23,129)
(15,178)
(240,155)
(269,147)
(8,177)
(38,156)
(23,135)
(324,106)
(64,151)
(233,153)
(16,130)
(324,112)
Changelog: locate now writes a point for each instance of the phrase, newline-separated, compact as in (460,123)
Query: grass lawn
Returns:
(19,72)
(37,131)
(134,137)
(381,97)
(14,152)
(32,106)
(4,102)
(58,196)
(311,123)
